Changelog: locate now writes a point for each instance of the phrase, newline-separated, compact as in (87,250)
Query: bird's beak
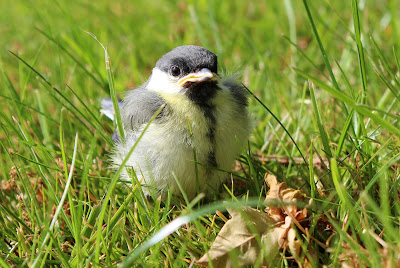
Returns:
(199,77)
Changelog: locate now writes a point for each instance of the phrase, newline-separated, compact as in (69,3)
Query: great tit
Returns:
(203,125)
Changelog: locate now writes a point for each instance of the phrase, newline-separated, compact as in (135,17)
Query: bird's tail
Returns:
(107,107)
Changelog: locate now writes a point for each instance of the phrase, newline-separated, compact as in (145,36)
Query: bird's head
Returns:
(184,69)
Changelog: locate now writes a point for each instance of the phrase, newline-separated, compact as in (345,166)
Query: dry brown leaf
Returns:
(280,192)
(237,235)
(274,228)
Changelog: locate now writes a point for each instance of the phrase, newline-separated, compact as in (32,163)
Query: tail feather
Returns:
(107,107)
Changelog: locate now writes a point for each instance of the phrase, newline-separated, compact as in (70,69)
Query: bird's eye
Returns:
(175,71)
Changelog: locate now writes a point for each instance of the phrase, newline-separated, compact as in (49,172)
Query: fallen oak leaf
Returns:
(287,198)
(256,236)
(279,192)
(240,234)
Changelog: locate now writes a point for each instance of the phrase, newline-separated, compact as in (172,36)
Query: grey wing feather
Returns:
(238,92)
(139,106)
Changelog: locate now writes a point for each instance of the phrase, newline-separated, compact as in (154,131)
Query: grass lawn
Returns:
(325,78)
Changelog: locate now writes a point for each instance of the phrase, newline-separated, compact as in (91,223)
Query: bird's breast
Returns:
(215,128)
(193,126)
(191,122)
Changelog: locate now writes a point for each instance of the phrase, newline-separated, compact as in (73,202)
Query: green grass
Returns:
(325,78)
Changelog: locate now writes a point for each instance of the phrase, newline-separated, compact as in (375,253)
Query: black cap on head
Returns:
(188,59)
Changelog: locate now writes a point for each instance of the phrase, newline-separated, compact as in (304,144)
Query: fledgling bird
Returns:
(186,83)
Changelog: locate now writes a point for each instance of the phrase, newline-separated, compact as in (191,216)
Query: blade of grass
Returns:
(180,221)
(323,52)
(344,98)
(36,159)
(387,84)
(43,122)
(252,172)
(60,203)
(299,117)
(293,36)
(361,60)
(379,173)
(311,169)
(321,128)
(20,103)
(344,132)
(321,46)
(3,263)
(28,76)
(113,94)
(360,49)
(196,168)
(337,181)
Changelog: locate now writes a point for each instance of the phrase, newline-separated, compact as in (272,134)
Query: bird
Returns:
(202,126)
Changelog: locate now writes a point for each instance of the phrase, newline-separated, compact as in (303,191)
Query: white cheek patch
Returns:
(161,82)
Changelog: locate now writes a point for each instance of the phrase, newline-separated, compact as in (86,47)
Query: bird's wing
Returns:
(138,108)
(239,92)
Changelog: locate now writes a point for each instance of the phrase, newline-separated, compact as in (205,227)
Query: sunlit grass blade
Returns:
(343,134)
(388,84)
(113,93)
(323,53)
(339,186)
(3,263)
(19,103)
(178,222)
(360,49)
(321,128)
(60,203)
(313,187)
(43,122)
(36,159)
(29,75)
(321,46)
(344,98)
